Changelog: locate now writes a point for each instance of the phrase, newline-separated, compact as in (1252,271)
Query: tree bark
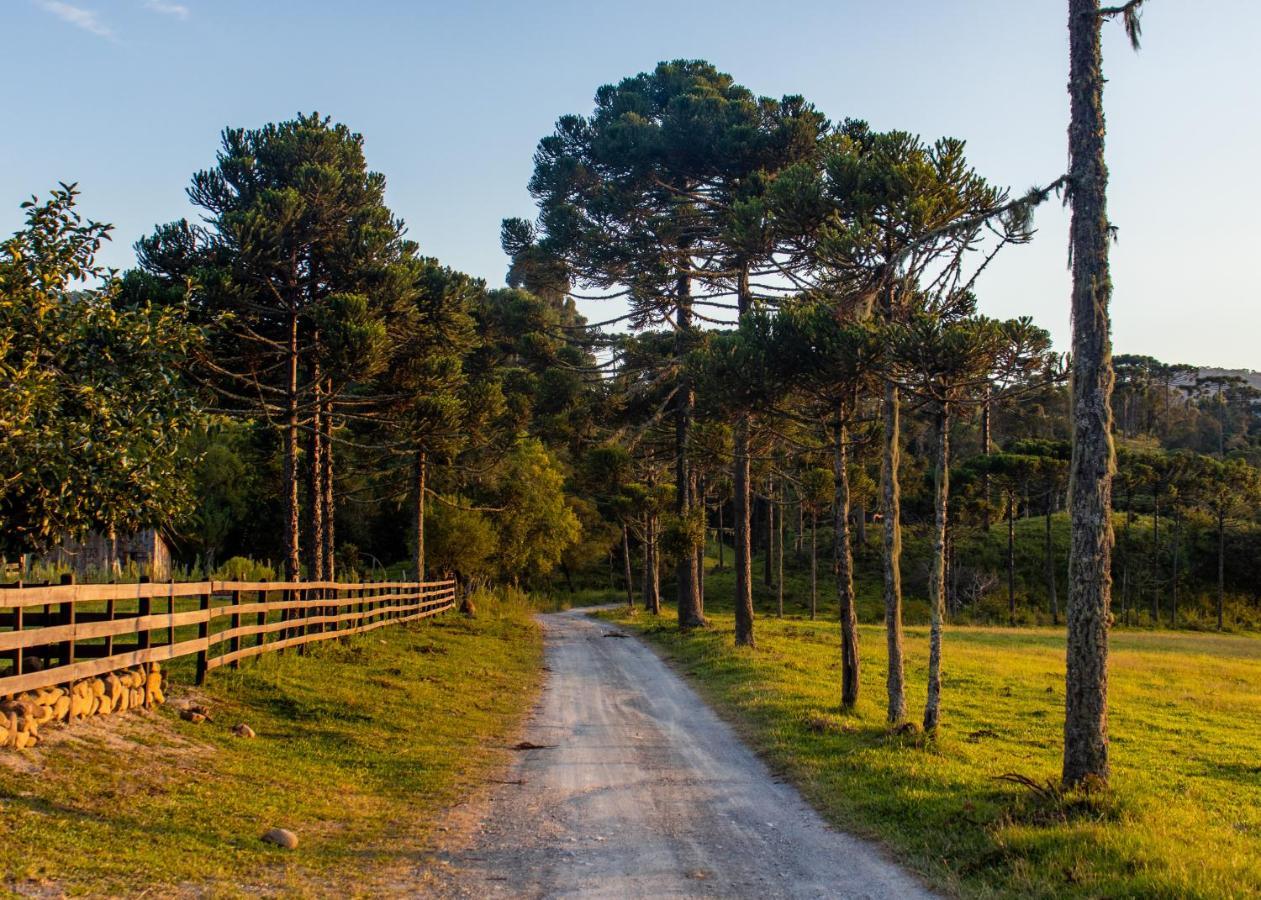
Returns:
(626,564)
(937,568)
(814,564)
(767,559)
(652,586)
(1221,569)
(315,482)
(1049,554)
(721,538)
(292,542)
(845,566)
(1093,457)
(1173,584)
(330,519)
(779,548)
(421,475)
(1011,557)
(743,537)
(689,602)
(892,503)
(986,446)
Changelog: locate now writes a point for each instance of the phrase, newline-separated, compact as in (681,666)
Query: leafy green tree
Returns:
(534,523)
(460,541)
(95,418)
(222,491)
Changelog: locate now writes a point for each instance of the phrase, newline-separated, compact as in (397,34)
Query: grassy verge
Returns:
(360,748)
(1183,819)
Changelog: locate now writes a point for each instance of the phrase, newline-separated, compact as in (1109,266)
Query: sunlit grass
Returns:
(360,748)
(1183,817)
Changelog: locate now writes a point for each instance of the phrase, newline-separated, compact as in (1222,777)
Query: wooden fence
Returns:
(56,634)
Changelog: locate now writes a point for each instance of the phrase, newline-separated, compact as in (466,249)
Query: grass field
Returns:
(1183,818)
(360,747)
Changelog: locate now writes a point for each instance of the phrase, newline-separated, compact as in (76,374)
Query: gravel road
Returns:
(639,790)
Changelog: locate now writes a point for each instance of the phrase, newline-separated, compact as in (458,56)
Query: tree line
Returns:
(794,328)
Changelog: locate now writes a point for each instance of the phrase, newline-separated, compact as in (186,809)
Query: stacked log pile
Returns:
(21,716)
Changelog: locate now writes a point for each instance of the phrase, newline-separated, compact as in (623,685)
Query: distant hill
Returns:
(1252,377)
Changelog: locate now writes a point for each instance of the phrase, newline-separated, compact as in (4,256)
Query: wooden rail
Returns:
(56,634)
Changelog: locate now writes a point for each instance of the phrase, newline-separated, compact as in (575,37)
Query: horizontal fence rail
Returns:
(54,634)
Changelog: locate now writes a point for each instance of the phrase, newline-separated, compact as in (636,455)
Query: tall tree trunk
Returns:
(315,481)
(654,569)
(845,565)
(1093,459)
(1156,555)
(330,519)
(814,563)
(769,556)
(1173,585)
(721,539)
(421,475)
(986,448)
(689,602)
(891,495)
(1221,569)
(1049,554)
(647,587)
(779,549)
(1011,557)
(937,569)
(626,565)
(293,565)
(743,537)
(799,536)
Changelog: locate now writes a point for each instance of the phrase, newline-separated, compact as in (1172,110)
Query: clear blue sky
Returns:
(127,97)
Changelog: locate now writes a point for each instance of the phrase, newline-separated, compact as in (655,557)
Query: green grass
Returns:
(360,748)
(1183,818)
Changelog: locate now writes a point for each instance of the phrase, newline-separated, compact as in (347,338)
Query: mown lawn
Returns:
(360,748)
(1183,818)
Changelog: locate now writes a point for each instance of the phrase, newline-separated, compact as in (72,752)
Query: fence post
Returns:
(263,597)
(235,622)
(144,637)
(203,632)
(17,626)
(170,610)
(66,651)
(304,611)
(144,579)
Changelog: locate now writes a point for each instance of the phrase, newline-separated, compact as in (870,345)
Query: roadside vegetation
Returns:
(361,749)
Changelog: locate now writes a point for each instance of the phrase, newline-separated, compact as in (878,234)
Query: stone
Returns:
(243,731)
(282,837)
(189,715)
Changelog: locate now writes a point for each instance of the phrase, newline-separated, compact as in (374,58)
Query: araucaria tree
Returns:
(95,416)
(888,224)
(1093,458)
(835,362)
(296,236)
(949,363)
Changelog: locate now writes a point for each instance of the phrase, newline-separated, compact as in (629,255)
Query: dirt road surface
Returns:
(639,790)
